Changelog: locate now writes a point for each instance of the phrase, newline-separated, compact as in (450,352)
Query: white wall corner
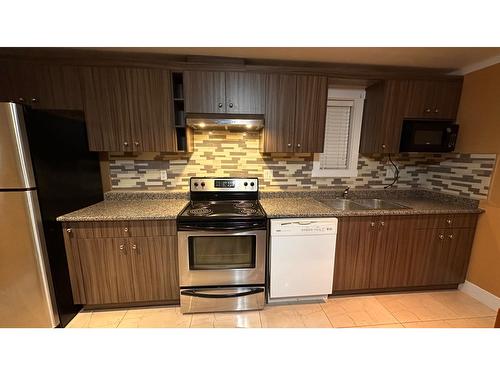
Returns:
(483,296)
(477,66)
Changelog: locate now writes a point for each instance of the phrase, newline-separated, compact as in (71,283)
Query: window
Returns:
(342,134)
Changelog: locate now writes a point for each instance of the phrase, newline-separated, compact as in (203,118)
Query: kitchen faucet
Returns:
(346,191)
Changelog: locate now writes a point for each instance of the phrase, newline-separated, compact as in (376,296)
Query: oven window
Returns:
(427,137)
(221,252)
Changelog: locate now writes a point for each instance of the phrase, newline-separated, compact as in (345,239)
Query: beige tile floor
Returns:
(448,309)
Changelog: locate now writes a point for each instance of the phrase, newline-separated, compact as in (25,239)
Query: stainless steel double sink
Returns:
(362,204)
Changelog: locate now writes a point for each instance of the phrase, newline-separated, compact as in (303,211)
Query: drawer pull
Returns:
(441,237)
(448,221)
(450,236)
(68,230)
(125,229)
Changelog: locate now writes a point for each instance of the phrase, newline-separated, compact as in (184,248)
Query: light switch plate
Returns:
(163,175)
(268,174)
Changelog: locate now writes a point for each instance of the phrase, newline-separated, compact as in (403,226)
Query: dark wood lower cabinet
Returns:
(353,254)
(154,268)
(384,253)
(106,269)
(122,269)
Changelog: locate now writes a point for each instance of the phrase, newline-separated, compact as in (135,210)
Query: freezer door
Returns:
(16,171)
(25,285)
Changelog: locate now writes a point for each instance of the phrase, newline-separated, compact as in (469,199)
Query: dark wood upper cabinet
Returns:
(40,86)
(389,102)
(295,113)
(383,117)
(433,99)
(310,113)
(224,92)
(58,87)
(151,110)
(128,109)
(204,92)
(279,129)
(106,108)
(245,93)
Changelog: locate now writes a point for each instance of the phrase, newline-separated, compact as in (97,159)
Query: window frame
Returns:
(357,96)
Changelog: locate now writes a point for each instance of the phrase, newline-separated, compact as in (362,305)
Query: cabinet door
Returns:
(446,98)
(106,269)
(204,92)
(391,253)
(427,254)
(353,253)
(57,87)
(454,260)
(245,93)
(419,99)
(383,117)
(278,132)
(150,106)
(106,108)
(155,268)
(310,113)
(7,82)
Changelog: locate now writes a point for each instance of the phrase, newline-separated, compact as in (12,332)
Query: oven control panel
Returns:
(224,184)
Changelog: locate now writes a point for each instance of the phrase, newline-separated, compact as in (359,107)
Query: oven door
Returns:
(221,258)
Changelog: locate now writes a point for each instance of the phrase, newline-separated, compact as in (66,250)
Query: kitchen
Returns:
(212,187)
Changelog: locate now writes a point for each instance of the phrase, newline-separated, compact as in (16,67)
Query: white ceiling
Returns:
(453,58)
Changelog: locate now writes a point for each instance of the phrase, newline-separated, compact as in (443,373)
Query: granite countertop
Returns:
(128,209)
(162,206)
(296,207)
(421,204)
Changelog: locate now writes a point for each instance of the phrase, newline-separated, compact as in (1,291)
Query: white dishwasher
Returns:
(301,259)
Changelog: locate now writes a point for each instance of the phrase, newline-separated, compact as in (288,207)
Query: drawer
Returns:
(108,229)
(447,221)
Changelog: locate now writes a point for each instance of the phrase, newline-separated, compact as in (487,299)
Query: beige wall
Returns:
(479,119)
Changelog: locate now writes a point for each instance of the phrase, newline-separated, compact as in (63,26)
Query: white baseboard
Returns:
(480,294)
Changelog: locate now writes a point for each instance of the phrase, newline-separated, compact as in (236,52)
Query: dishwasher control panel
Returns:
(301,226)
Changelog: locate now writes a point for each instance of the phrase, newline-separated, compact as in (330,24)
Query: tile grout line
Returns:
(327,317)
(123,317)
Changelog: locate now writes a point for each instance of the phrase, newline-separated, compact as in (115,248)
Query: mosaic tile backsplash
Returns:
(236,154)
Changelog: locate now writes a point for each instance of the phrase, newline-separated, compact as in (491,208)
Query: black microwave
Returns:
(428,136)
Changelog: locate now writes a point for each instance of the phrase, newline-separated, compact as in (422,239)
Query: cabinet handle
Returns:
(134,247)
(298,145)
(68,230)
(427,110)
(450,236)
(436,110)
(372,224)
(230,105)
(448,221)
(20,100)
(125,229)
(122,249)
(382,223)
(441,237)
(34,100)
(136,143)
(219,105)
(289,145)
(125,144)
(384,146)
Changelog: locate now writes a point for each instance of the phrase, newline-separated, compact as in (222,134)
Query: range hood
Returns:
(241,123)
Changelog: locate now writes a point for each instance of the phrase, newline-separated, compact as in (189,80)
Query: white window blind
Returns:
(342,134)
(337,135)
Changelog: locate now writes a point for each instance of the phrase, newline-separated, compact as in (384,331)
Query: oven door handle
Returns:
(223,229)
(194,293)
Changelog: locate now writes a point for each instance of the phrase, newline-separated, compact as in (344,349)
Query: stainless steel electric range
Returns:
(222,246)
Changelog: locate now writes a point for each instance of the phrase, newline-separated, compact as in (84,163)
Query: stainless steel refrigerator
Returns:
(46,170)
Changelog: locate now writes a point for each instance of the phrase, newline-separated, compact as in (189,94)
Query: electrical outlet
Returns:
(163,175)
(268,174)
